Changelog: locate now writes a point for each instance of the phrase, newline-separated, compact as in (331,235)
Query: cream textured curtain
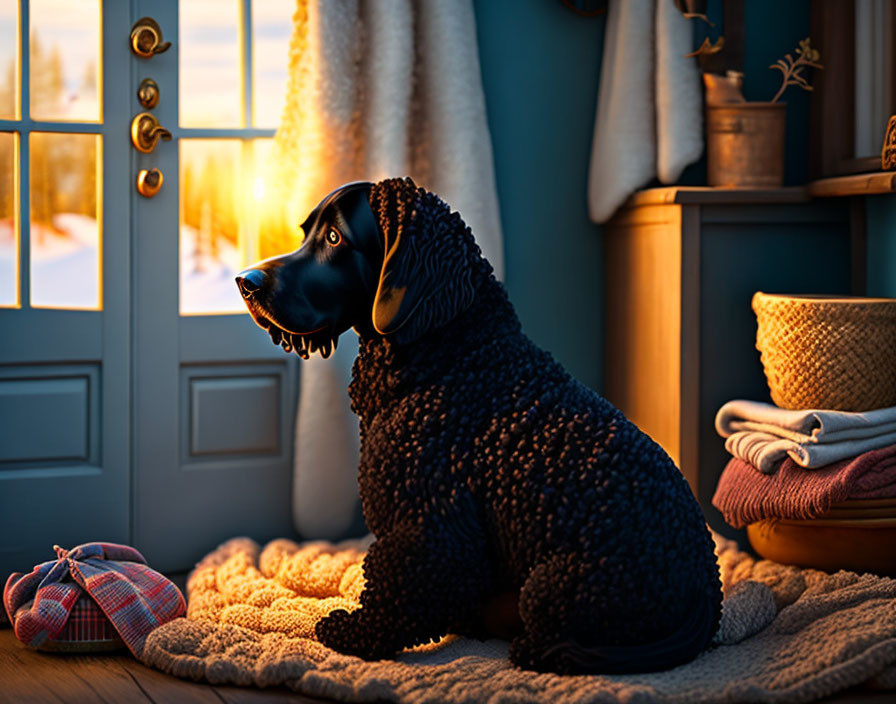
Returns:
(377,88)
(649,120)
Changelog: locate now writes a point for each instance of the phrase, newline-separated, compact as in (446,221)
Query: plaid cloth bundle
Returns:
(134,598)
(87,629)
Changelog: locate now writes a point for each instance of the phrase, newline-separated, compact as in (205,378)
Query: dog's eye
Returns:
(333,237)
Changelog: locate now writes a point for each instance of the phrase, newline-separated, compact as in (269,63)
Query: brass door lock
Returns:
(146,131)
(149,182)
(148,93)
(146,38)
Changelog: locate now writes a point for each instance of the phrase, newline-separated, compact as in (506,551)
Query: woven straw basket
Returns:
(828,352)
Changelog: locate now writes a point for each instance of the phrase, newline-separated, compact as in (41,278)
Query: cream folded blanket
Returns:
(786,634)
(765,435)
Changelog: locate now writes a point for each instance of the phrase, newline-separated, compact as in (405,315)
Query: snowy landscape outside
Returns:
(64,230)
(230,216)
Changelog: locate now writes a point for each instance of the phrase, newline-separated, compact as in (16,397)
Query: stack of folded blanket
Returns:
(796,464)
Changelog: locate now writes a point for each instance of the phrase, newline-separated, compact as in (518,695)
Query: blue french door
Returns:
(138,403)
(65,298)
(214,400)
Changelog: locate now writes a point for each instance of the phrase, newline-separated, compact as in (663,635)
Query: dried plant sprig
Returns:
(792,69)
(707,48)
(697,16)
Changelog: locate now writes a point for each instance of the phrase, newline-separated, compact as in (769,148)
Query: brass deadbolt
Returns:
(146,38)
(148,93)
(149,182)
(146,131)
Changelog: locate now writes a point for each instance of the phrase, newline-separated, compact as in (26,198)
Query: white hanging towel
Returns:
(649,120)
(376,90)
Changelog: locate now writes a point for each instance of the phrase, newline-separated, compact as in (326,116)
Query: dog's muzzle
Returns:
(321,339)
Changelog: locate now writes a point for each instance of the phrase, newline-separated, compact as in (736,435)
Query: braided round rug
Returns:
(787,634)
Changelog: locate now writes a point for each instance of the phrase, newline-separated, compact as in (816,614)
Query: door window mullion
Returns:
(24,158)
(26,125)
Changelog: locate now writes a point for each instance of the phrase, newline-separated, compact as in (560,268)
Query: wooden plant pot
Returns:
(745,144)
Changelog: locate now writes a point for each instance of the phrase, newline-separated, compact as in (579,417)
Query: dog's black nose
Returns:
(250,281)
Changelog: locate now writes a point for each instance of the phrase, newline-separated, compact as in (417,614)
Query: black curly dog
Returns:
(485,468)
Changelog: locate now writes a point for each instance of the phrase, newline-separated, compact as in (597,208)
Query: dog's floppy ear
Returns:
(431,263)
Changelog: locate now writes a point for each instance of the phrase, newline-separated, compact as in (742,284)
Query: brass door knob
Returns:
(146,38)
(146,131)
(149,182)
(148,93)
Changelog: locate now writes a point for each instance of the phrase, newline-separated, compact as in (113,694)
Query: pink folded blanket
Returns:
(746,496)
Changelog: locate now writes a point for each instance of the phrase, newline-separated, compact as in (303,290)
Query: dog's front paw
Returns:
(344,632)
(336,631)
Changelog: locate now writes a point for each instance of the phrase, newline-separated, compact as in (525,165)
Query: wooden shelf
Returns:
(856,185)
(681,267)
(706,195)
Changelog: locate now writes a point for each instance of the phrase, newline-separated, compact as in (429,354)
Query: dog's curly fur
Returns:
(486,468)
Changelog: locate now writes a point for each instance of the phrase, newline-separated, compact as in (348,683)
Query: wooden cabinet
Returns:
(682,265)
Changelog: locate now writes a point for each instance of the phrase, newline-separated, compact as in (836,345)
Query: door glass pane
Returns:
(65,60)
(211,237)
(66,188)
(9,240)
(271,29)
(211,84)
(273,228)
(9,59)
(231,215)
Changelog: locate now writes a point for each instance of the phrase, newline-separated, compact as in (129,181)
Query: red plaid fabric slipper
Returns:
(105,579)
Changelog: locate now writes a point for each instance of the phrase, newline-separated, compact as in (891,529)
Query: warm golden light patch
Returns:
(286,590)
(233,214)
(259,188)
(9,220)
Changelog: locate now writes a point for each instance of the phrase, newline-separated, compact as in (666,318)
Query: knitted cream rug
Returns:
(786,635)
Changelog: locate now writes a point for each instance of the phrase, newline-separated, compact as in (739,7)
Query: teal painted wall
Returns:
(880,229)
(540,71)
(772,29)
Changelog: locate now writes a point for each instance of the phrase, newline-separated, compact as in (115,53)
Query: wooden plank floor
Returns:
(30,677)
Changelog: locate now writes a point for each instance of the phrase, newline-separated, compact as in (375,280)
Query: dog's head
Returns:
(386,258)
